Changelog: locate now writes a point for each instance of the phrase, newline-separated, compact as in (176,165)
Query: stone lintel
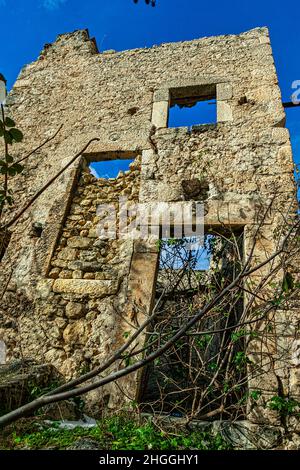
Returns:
(86,286)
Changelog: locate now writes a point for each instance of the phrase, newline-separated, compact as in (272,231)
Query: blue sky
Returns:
(120,24)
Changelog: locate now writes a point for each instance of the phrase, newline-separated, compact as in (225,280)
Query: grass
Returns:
(114,433)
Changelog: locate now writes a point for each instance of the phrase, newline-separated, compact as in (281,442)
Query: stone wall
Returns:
(80,253)
(89,278)
(21,380)
(78,307)
(69,293)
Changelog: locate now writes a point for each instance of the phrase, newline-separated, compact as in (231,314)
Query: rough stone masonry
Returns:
(69,293)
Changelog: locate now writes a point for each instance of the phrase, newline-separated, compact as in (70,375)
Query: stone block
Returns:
(160,113)
(146,247)
(77,274)
(74,310)
(65,274)
(280,135)
(163,94)
(148,157)
(79,242)
(75,333)
(17,380)
(44,288)
(89,276)
(287,322)
(224,91)
(68,254)
(85,266)
(224,112)
(259,411)
(295,381)
(85,287)
(54,273)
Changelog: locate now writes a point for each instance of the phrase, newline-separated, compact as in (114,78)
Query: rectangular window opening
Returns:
(192,106)
(187,281)
(190,254)
(111,165)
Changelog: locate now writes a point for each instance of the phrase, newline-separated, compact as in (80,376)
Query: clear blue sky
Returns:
(26,25)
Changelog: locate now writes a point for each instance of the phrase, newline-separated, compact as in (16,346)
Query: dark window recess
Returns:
(4,242)
(192,106)
(187,279)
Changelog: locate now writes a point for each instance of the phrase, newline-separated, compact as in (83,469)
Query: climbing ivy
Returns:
(9,165)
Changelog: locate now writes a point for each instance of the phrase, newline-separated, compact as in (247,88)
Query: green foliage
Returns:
(128,360)
(8,166)
(10,133)
(117,433)
(16,134)
(9,122)
(203,341)
(40,438)
(79,404)
(238,334)
(6,196)
(174,241)
(242,333)
(255,394)
(240,359)
(212,366)
(285,406)
(158,244)
(36,391)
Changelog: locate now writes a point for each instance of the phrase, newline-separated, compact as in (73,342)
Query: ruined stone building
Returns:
(69,293)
